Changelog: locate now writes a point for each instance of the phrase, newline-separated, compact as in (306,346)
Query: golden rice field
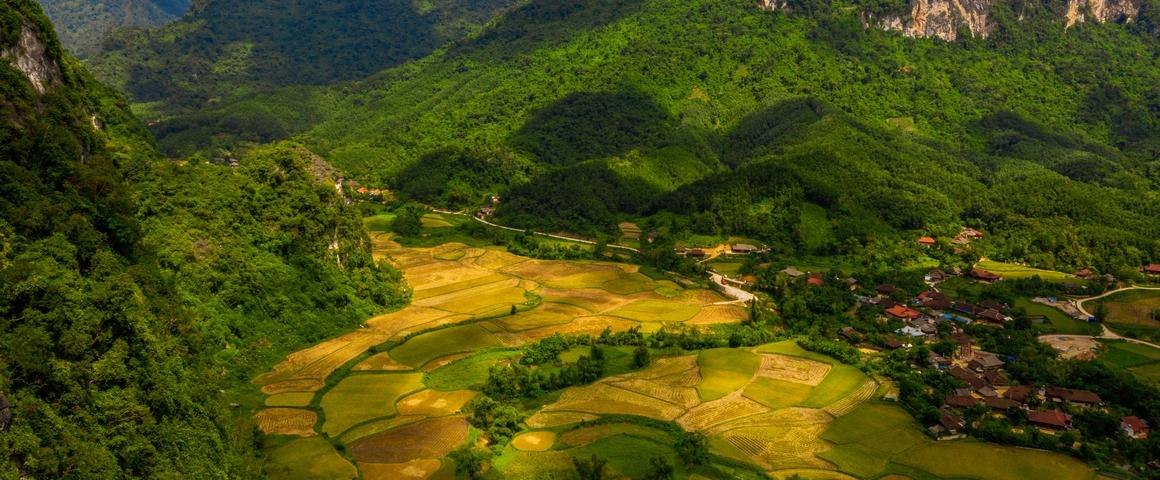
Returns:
(413,470)
(287,421)
(431,438)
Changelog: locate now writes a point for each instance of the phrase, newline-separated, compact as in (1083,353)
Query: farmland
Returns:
(391,399)
(1011,270)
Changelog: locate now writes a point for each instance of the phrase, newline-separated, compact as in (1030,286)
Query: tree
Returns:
(693,448)
(641,357)
(659,469)
(591,469)
(513,311)
(409,219)
(1101,312)
(470,462)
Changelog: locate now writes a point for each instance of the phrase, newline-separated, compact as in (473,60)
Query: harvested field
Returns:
(594,300)
(287,421)
(300,385)
(629,283)
(534,441)
(600,398)
(657,311)
(370,428)
(684,396)
(664,367)
(413,470)
(555,419)
(479,300)
(786,417)
(316,363)
(717,314)
(381,362)
(727,409)
(290,399)
(781,447)
(591,325)
(307,458)
(406,318)
(793,369)
(851,401)
(586,435)
(497,260)
(432,438)
(434,404)
(359,398)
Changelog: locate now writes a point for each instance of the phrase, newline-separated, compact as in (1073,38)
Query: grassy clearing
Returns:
(777,394)
(876,435)
(1149,372)
(429,346)
(1010,270)
(436,220)
(725,370)
(729,269)
(628,455)
(359,398)
(1127,354)
(816,229)
(467,373)
(379,223)
(1133,307)
(309,458)
(838,384)
(1055,321)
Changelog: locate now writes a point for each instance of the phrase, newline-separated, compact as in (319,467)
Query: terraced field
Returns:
(397,408)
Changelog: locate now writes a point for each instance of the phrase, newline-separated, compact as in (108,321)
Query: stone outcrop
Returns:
(947,19)
(30,55)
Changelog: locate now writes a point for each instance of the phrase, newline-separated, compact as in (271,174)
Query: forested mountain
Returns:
(198,76)
(138,296)
(82,25)
(587,113)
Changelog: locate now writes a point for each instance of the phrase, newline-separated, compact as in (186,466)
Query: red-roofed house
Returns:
(1082,398)
(926,241)
(816,280)
(1085,273)
(1152,269)
(1053,419)
(985,275)
(1134,427)
(903,312)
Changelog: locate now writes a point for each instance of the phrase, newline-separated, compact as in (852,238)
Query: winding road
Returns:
(1107,333)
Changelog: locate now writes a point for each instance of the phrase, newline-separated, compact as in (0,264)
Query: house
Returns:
(910,331)
(1000,404)
(850,333)
(695,252)
(970,378)
(926,241)
(903,312)
(1052,419)
(993,316)
(996,378)
(988,392)
(362,190)
(938,361)
(1152,269)
(964,307)
(986,361)
(1085,273)
(935,276)
(964,342)
(885,289)
(743,248)
(816,280)
(994,305)
(1134,427)
(934,300)
(893,343)
(1020,393)
(961,401)
(852,283)
(1082,398)
(966,235)
(984,275)
(793,272)
(951,422)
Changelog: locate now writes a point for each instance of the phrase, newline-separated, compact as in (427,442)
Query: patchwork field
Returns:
(396,410)
(1136,358)
(1010,270)
(1134,307)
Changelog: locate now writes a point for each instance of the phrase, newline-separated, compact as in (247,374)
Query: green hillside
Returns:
(196,78)
(586,113)
(82,25)
(138,296)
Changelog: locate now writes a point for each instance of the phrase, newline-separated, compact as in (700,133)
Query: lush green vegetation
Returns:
(200,75)
(82,25)
(140,296)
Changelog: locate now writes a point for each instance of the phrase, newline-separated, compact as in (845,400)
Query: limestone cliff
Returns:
(30,55)
(946,19)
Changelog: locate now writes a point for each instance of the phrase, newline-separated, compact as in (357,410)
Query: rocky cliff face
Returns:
(30,55)
(946,19)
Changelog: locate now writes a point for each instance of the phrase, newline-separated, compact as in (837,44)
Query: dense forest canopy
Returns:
(82,25)
(138,294)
